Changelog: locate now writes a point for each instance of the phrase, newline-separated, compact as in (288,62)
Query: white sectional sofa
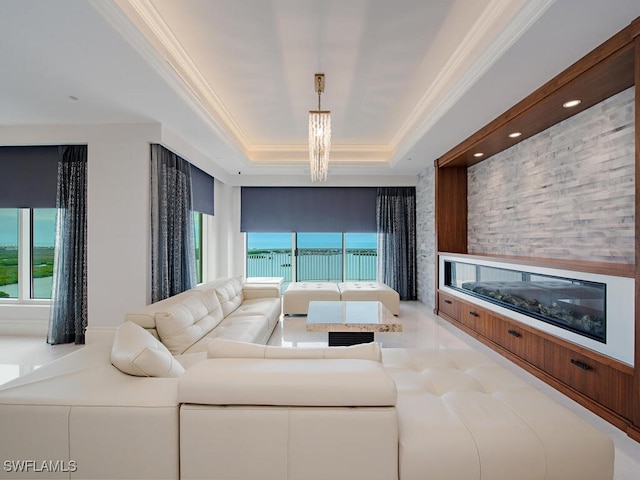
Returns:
(225,409)
(225,308)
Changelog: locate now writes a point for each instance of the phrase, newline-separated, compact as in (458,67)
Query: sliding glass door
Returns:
(361,257)
(313,257)
(319,257)
(269,255)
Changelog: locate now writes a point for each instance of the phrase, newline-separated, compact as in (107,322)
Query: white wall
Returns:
(118,228)
(226,242)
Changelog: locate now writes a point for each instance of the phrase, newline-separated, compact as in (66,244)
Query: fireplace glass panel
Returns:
(573,304)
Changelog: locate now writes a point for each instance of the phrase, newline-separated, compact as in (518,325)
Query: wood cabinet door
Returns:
(449,305)
(476,318)
(602,383)
(519,341)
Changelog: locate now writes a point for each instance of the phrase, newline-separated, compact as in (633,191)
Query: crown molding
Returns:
(139,23)
(455,79)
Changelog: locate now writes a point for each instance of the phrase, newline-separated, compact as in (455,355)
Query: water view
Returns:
(330,257)
(35,247)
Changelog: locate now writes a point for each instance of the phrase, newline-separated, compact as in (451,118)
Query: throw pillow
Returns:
(136,352)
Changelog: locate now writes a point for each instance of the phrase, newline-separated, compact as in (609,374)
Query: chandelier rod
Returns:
(319,86)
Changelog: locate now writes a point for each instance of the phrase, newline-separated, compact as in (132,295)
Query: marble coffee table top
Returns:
(350,316)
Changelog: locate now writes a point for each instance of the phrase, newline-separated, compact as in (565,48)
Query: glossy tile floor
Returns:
(20,355)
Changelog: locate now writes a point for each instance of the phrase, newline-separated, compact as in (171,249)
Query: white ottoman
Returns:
(371,291)
(297,296)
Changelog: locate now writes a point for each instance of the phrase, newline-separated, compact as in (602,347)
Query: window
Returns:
(27,241)
(197,221)
(361,257)
(332,257)
(269,255)
(9,253)
(43,234)
(319,257)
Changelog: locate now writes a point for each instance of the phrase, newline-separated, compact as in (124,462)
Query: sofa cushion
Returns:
(136,352)
(270,307)
(250,329)
(184,323)
(329,382)
(223,348)
(230,295)
(188,360)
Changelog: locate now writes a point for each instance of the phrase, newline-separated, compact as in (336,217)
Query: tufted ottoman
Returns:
(297,296)
(461,416)
(371,291)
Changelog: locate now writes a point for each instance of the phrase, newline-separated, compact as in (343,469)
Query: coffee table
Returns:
(350,322)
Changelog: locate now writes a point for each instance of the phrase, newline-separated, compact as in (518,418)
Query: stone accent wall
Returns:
(567,192)
(425,236)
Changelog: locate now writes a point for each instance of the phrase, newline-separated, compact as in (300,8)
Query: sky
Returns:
(260,241)
(44,227)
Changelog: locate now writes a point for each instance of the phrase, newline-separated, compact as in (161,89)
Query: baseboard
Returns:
(24,327)
(99,334)
(24,319)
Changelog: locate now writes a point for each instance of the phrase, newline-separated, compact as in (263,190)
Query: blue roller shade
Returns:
(308,209)
(202,191)
(29,176)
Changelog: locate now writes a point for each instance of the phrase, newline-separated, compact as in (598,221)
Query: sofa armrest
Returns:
(251,291)
(288,382)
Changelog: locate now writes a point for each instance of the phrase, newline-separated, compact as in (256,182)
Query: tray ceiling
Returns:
(405,80)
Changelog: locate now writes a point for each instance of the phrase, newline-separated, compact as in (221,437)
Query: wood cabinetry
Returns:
(598,382)
(521,342)
(607,387)
(449,305)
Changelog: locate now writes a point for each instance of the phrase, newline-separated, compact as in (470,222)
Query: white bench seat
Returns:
(371,291)
(296,298)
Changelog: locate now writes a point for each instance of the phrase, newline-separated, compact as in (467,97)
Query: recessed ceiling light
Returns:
(515,134)
(478,154)
(571,103)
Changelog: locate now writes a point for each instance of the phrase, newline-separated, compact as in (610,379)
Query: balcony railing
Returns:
(315,264)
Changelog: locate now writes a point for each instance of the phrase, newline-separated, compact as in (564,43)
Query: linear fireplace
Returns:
(586,307)
(569,303)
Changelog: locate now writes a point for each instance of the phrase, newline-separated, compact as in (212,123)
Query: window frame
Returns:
(205,225)
(25,259)
(294,255)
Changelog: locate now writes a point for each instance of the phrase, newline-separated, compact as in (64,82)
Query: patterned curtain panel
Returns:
(396,219)
(68,317)
(173,257)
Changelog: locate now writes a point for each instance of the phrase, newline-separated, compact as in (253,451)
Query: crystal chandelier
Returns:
(319,136)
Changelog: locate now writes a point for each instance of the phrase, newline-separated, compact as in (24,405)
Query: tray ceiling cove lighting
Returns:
(319,136)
